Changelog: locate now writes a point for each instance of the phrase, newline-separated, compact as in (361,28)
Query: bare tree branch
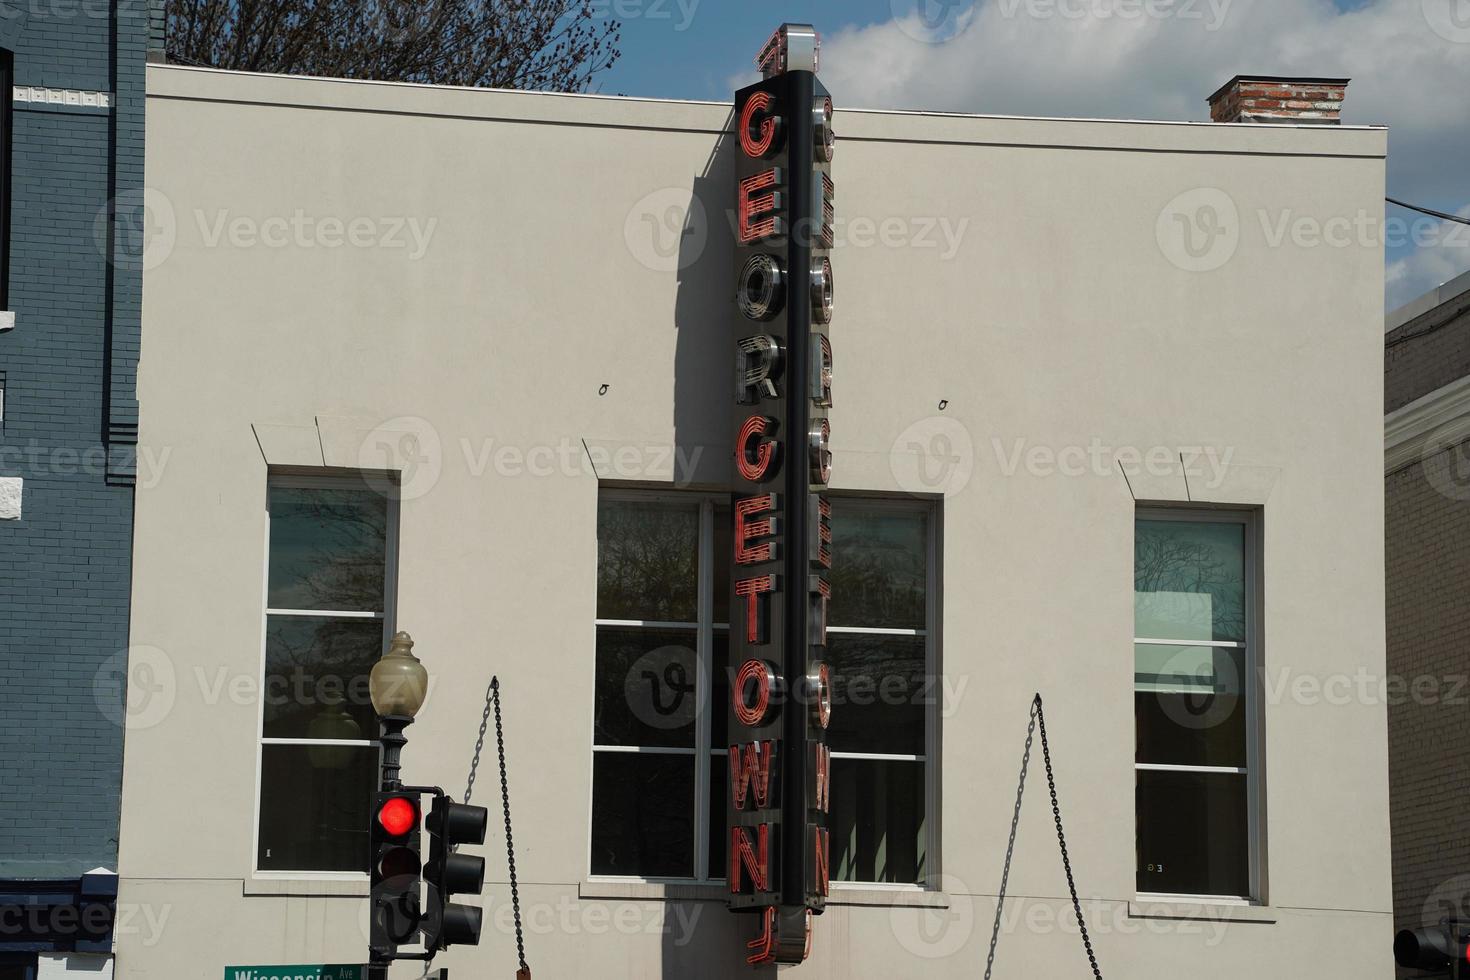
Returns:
(547,45)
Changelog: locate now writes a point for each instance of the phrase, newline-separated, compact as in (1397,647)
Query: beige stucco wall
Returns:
(1059,319)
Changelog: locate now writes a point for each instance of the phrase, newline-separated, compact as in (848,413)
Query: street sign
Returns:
(351,971)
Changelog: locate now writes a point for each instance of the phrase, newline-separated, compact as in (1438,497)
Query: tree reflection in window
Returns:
(327,608)
(327,549)
(1174,559)
(647,561)
(881,578)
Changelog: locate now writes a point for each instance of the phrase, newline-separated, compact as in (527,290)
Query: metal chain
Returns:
(510,847)
(492,704)
(469,787)
(1005,875)
(1038,718)
(1056,811)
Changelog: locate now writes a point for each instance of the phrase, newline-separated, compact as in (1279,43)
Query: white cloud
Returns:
(1424,269)
(1160,59)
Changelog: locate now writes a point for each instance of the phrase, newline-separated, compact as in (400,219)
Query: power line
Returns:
(1405,338)
(1430,211)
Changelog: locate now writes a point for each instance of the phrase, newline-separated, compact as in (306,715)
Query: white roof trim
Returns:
(1431,300)
(1426,426)
(726,103)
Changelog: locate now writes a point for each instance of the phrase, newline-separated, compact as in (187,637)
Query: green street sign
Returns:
(335,972)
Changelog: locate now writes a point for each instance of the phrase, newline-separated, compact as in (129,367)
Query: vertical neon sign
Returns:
(779,764)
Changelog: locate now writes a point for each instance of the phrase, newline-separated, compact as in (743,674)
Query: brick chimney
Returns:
(1270,99)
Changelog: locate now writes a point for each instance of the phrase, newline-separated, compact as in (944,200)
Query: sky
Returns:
(1133,59)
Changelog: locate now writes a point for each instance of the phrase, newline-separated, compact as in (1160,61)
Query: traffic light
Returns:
(447,873)
(395,865)
(1444,948)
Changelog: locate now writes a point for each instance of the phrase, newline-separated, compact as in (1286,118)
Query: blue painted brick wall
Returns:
(69,427)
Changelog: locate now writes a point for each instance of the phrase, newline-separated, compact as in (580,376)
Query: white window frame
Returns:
(704,750)
(930,633)
(388,617)
(1250,647)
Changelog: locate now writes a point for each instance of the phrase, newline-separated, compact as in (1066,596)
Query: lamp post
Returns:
(398,685)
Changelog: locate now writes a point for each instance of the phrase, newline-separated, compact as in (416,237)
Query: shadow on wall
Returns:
(702,938)
(704,305)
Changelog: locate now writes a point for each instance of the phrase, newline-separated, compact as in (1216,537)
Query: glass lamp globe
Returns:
(399,683)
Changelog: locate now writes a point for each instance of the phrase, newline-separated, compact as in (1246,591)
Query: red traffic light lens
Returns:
(398,815)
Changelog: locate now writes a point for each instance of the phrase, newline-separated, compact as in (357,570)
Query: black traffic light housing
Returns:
(446,923)
(395,867)
(1442,949)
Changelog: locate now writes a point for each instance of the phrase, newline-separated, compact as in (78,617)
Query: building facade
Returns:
(459,362)
(1426,427)
(70,285)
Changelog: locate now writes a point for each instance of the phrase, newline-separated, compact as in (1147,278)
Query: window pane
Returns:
(722,559)
(1188,706)
(316,672)
(720,677)
(647,565)
(877,821)
(327,549)
(1193,834)
(879,691)
(1189,581)
(646,692)
(719,832)
(314,805)
(642,815)
(879,567)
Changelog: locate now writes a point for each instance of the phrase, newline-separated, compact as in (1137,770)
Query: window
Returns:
(1194,704)
(651,740)
(883,691)
(662,687)
(328,610)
